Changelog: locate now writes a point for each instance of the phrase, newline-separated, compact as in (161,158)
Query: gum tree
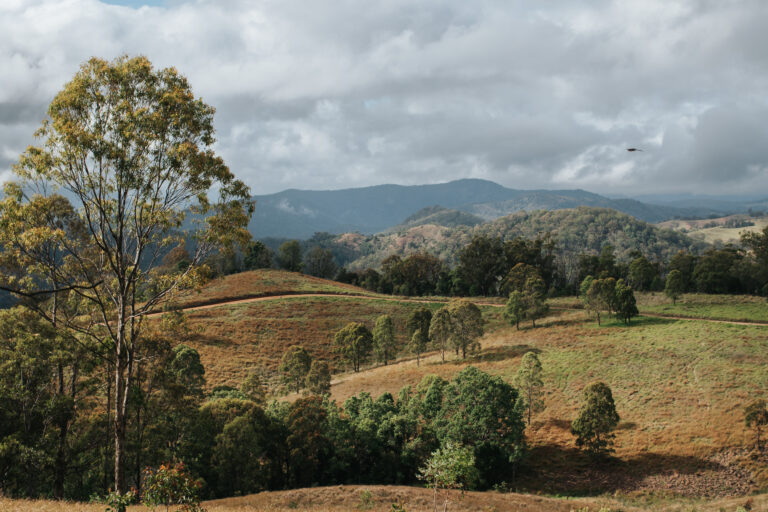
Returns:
(124,171)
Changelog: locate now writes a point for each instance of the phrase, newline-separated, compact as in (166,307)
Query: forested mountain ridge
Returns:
(576,230)
(301,213)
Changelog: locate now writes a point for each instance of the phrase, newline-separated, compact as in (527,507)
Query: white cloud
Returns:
(330,94)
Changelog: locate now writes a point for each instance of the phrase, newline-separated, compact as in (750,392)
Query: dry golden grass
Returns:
(716,233)
(234,338)
(263,283)
(679,387)
(349,498)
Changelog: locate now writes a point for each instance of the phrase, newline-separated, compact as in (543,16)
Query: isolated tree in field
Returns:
(530,384)
(319,262)
(599,296)
(449,467)
(354,342)
(318,380)
(756,417)
(418,344)
(515,309)
(466,326)
(258,255)
(289,256)
(294,367)
(534,305)
(596,421)
(440,330)
(674,287)
(417,326)
(384,343)
(132,147)
(625,303)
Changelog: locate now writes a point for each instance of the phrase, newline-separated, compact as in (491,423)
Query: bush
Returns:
(172,484)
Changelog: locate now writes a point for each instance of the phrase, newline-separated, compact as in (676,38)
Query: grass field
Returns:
(693,305)
(263,283)
(234,338)
(349,498)
(679,387)
(714,230)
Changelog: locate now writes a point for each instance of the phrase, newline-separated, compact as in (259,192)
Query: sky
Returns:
(334,94)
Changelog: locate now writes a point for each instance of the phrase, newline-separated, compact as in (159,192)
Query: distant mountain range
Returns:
(301,213)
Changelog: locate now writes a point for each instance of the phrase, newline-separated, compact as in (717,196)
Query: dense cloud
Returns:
(331,94)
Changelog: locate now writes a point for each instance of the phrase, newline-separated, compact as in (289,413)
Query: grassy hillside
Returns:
(679,386)
(234,338)
(345,498)
(576,230)
(717,230)
(263,283)
(746,308)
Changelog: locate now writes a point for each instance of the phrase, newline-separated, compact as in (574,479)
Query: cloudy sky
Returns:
(327,94)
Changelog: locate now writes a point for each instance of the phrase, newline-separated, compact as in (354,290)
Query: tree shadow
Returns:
(502,353)
(568,471)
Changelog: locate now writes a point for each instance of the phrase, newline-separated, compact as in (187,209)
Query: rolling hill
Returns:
(301,213)
(576,230)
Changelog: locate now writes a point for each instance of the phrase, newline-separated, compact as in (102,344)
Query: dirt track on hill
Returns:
(427,301)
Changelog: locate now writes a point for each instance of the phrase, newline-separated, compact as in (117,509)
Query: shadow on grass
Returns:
(568,471)
(502,353)
(638,321)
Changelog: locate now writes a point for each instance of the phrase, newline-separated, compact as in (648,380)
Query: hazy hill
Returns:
(577,230)
(439,216)
(301,213)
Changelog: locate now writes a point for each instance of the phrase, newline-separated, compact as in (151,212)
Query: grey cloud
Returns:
(332,94)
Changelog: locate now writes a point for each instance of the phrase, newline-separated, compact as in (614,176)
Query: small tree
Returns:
(172,484)
(258,255)
(515,311)
(675,285)
(418,345)
(596,421)
(253,387)
(533,299)
(449,467)
(354,342)
(466,326)
(625,303)
(384,341)
(756,417)
(319,262)
(319,378)
(530,384)
(295,366)
(440,330)
(289,256)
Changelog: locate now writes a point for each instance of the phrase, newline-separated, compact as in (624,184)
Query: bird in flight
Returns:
(633,149)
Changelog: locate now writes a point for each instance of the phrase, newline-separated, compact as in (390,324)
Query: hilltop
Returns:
(301,213)
(576,230)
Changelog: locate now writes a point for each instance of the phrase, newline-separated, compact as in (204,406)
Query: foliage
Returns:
(450,467)
(289,256)
(172,484)
(597,418)
(674,285)
(254,388)
(624,302)
(466,326)
(440,330)
(354,342)
(119,502)
(318,381)
(756,417)
(258,255)
(418,325)
(528,380)
(295,366)
(384,342)
(514,311)
(132,147)
(319,262)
